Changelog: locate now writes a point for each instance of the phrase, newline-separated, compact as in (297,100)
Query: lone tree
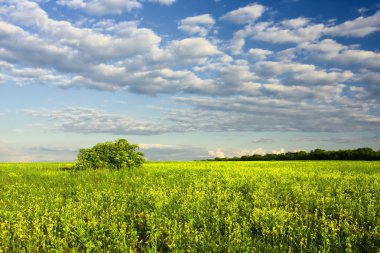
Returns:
(116,155)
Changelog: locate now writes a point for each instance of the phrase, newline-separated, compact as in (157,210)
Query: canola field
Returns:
(308,206)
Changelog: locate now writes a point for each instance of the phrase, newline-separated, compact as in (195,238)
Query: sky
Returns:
(188,79)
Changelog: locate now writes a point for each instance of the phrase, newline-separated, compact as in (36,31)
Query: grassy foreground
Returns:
(192,207)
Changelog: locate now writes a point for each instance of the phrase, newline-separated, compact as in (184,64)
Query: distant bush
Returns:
(116,155)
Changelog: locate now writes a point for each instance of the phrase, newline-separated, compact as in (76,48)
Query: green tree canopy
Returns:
(116,155)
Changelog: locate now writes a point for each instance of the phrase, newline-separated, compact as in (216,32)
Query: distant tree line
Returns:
(366,154)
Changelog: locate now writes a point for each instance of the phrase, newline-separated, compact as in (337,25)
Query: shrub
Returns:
(116,155)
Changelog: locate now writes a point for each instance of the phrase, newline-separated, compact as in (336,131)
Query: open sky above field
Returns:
(188,79)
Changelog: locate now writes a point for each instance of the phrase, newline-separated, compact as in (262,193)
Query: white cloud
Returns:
(235,153)
(257,151)
(301,30)
(245,14)
(278,152)
(169,81)
(295,22)
(88,120)
(272,68)
(178,53)
(302,93)
(259,54)
(360,57)
(237,74)
(74,4)
(319,77)
(200,25)
(163,2)
(10,73)
(287,33)
(24,48)
(79,43)
(360,27)
(115,56)
(371,87)
(216,153)
(265,113)
(238,40)
(107,55)
(101,7)
(190,48)
(330,50)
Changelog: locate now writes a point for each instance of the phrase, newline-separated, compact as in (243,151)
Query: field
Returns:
(306,206)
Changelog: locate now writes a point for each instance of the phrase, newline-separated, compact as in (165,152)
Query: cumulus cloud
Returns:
(216,153)
(278,152)
(64,46)
(332,51)
(259,54)
(292,31)
(237,76)
(246,152)
(101,7)
(88,120)
(163,2)
(272,68)
(11,73)
(191,48)
(319,77)
(301,30)
(370,89)
(272,114)
(24,48)
(360,27)
(114,56)
(245,14)
(238,40)
(288,31)
(295,22)
(302,93)
(169,81)
(200,25)
(287,87)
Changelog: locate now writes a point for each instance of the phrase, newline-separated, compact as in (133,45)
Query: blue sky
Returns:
(188,80)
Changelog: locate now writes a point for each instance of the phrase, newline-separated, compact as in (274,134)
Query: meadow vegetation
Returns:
(297,206)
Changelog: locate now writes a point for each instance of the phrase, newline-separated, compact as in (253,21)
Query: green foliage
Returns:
(360,154)
(192,207)
(116,155)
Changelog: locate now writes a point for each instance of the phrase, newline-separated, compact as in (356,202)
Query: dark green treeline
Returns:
(366,154)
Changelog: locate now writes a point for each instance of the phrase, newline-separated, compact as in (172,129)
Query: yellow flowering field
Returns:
(308,206)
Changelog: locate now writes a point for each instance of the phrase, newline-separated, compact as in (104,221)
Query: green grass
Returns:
(306,206)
